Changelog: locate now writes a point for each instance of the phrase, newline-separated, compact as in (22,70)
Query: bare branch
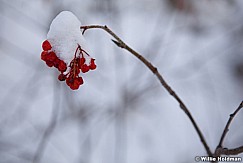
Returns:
(226,151)
(226,129)
(123,45)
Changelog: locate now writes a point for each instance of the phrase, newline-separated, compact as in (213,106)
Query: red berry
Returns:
(44,55)
(56,62)
(77,71)
(84,68)
(74,83)
(62,66)
(62,77)
(52,56)
(74,86)
(46,45)
(92,65)
(69,81)
(49,63)
(80,80)
(81,61)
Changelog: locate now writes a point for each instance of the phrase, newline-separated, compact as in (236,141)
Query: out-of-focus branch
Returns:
(219,150)
(51,126)
(123,45)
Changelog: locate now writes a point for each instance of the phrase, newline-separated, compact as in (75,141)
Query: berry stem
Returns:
(76,51)
(84,52)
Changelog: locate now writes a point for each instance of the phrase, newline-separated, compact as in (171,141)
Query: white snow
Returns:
(64,35)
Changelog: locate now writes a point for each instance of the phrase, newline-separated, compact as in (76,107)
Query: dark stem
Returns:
(234,151)
(121,44)
(226,129)
(219,150)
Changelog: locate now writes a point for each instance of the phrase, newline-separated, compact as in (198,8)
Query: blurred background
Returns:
(121,114)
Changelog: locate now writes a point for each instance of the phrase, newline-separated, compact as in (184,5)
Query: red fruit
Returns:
(74,86)
(80,80)
(77,71)
(72,78)
(74,83)
(44,55)
(62,66)
(92,65)
(84,68)
(49,63)
(52,56)
(81,61)
(62,77)
(69,81)
(56,62)
(46,45)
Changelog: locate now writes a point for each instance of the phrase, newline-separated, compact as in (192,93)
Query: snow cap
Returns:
(65,35)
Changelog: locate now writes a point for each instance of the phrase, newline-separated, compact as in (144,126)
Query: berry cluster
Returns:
(51,58)
(73,80)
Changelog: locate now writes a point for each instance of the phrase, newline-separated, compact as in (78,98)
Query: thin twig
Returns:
(123,45)
(220,150)
(226,129)
(234,151)
(225,151)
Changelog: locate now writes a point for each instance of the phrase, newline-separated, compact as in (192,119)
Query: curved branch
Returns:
(225,151)
(226,129)
(123,45)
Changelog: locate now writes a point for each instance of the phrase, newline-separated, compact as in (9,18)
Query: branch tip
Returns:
(117,43)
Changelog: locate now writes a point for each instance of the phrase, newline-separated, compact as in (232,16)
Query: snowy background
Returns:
(121,114)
